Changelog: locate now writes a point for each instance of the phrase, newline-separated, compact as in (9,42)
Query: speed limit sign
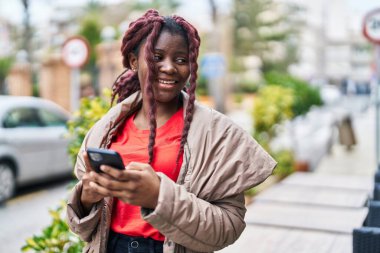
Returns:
(371,26)
(75,52)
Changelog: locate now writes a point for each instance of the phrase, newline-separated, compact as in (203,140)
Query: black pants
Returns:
(119,243)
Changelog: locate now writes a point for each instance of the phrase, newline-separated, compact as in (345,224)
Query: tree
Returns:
(267,30)
(165,6)
(5,66)
(90,29)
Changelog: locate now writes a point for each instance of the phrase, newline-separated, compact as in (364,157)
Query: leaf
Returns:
(26,248)
(32,243)
(54,215)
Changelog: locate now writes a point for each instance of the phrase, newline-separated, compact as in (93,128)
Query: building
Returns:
(331,46)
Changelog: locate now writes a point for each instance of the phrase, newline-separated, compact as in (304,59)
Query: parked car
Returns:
(33,142)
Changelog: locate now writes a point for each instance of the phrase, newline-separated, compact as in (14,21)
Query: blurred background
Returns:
(298,75)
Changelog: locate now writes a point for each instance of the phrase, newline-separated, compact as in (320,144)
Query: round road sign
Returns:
(75,52)
(371,26)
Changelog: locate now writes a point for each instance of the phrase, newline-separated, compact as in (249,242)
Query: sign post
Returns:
(213,67)
(75,53)
(371,30)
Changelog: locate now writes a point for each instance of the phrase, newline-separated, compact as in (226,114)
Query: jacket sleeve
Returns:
(83,226)
(193,222)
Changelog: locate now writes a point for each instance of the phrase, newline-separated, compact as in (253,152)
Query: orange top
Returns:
(132,145)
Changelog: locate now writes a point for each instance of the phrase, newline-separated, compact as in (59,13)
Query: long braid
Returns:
(127,83)
(149,51)
(146,27)
(194,43)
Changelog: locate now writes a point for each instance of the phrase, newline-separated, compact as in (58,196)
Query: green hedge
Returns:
(305,96)
(272,106)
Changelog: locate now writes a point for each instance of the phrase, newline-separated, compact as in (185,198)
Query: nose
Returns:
(167,67)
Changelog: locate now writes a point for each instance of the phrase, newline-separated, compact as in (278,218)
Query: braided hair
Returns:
(148,29)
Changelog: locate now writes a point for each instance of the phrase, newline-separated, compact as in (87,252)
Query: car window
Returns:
(22,117)
(50,118)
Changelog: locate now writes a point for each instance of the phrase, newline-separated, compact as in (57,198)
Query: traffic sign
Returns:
(371,26)
(213,65)
(75,52)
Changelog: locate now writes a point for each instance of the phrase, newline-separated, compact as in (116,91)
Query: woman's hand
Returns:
(137,185)
(89,196)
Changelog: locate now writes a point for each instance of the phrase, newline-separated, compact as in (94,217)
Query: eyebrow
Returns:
(177,52)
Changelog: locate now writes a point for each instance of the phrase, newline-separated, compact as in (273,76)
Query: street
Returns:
(28,213)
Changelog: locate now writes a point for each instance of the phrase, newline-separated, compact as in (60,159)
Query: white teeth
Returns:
(166,82)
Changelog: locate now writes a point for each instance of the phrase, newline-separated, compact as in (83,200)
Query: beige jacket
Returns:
(204,210)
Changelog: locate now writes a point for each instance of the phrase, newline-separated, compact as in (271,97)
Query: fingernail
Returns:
(102,168)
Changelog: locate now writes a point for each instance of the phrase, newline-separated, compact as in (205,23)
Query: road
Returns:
(28,212)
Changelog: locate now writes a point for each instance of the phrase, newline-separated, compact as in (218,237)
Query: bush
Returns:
(285,163)
(202,86)
(284,97)
(90,111)
(305,96)
(55,238)
(247,86)
(272,105)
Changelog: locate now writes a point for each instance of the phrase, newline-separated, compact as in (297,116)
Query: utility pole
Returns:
(26,44)
(371,30)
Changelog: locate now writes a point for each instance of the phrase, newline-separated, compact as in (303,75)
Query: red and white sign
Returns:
(75,52)
(371,26)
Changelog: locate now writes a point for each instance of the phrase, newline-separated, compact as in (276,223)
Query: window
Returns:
(50,118)
(22,117)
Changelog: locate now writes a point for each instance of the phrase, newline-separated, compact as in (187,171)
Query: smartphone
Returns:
(100,156)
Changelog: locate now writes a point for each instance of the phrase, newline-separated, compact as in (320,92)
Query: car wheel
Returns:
(7,181)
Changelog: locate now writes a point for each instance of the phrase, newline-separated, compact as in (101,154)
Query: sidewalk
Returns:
(359,161)
(315,212)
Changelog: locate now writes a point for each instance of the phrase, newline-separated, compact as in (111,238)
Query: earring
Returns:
(134,69)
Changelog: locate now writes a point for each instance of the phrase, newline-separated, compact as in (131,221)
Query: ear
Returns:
(133,61)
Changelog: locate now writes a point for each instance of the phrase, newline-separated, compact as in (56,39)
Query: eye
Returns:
(157,57)
(181,60)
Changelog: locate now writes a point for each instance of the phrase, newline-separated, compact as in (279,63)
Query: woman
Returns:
(187,166)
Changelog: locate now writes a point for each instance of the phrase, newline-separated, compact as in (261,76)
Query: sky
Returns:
(41,10)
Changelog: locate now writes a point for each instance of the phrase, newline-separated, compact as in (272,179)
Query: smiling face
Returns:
(171,59)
